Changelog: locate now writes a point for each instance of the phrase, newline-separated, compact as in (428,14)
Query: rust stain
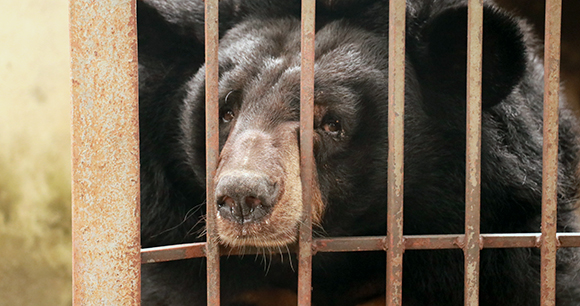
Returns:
(173,252)
(549,242)
(377,243)
(472,243)
(105,153)
(306,151)
(212,148)
(395,242)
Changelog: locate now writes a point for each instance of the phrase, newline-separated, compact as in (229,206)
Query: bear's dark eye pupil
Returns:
(228,116)
(332,127)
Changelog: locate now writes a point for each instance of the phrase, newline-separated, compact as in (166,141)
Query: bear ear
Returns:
(443,59)
(163,39)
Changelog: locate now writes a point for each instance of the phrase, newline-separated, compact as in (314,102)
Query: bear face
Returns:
(258,189)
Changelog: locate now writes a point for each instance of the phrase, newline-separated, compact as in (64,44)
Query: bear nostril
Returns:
(246,209)
(228,201)
(227,204)
(252,203)
(245,197)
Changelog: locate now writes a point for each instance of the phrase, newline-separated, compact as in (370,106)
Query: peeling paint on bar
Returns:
(105,153)
(395,242)
(173,252)
(306,150)
(550,152)
(212,148)
(373,243)
(472,242)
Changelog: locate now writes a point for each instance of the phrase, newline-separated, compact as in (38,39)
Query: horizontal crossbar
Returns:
(355,244)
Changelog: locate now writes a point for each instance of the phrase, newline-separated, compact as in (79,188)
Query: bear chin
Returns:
(279,228)
(263,235)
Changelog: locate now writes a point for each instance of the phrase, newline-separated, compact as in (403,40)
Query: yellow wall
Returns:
(35,243)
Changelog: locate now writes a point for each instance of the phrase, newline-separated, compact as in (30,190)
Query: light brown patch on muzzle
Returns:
(258,188)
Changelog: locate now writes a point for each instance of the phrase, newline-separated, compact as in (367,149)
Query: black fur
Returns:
(260,41)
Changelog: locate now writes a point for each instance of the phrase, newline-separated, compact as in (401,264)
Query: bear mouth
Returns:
(277,228)
(262,234)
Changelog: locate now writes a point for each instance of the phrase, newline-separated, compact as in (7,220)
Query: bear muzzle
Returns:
(258,190)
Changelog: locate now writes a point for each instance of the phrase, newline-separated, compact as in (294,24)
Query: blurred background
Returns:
(35,246)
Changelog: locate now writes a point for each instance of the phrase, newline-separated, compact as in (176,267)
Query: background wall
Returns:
(35,247)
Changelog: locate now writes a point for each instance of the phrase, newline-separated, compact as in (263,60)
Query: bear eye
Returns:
(227,115)
(332,126)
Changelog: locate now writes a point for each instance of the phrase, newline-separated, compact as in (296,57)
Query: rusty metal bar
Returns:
(350,244)
(105,153)
(395,242)
(212,148)
(503,241)
(473,152)
(433,242)
(550,151)
(566,240)
(173,252)
(374,243)
(306,150)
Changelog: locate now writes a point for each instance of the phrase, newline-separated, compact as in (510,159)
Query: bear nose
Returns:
(245,197)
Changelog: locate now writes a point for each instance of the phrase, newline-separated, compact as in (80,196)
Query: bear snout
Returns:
(258,191)
(246,197)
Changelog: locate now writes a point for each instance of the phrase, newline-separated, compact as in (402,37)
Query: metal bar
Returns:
(306,150)
(473,152)
(212,148)
(567,240)
(503,241)
(433,242)
(395,242)
(350,244)
(105,153)
(550,151)
(375,243)
(173,252)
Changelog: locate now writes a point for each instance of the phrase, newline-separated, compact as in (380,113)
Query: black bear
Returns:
(257,184)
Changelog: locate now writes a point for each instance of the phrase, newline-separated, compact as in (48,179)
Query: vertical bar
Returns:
(105,153)
(473,152)
(550,151)
(306,153)
(395,243)
(212,148)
